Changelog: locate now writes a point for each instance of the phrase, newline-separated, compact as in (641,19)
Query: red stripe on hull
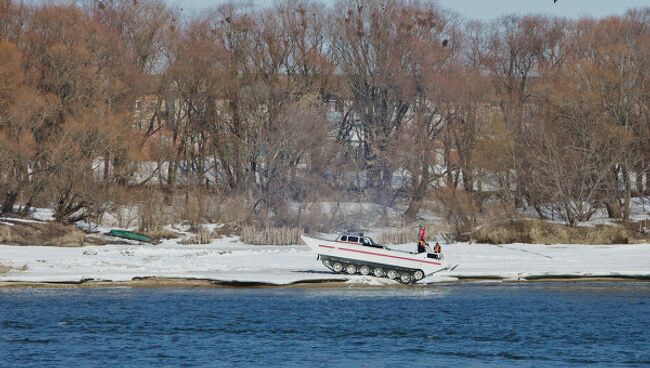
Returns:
(381,255)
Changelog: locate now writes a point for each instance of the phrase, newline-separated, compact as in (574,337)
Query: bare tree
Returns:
(387,52)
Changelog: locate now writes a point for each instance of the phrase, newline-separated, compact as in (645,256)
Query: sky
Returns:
(489,9)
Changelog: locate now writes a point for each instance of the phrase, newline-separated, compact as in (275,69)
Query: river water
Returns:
(482,325)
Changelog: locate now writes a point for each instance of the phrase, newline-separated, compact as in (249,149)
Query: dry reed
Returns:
(398,236)
(410,234)
(203,236)
(270,235)
(543,232)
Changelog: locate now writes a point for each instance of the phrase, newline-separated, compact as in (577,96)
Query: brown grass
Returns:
(271,235)
(161,234)
(6,269)
(543,232)
(6,237)
(49,234)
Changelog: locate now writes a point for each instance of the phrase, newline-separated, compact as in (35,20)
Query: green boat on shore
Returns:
(125,234)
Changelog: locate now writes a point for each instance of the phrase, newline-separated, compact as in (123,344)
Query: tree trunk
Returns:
(638,182)
(417,197)
(107,165)
(613,208)
(416,201)
(520,191)
(628,193)
(468,180)
(10,200)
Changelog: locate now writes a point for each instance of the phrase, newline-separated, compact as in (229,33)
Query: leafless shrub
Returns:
(314,217)
(152,212)
(461,209)
(125,216)
(231,210)
(193,206)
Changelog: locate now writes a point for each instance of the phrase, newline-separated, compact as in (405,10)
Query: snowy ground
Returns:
(228,260)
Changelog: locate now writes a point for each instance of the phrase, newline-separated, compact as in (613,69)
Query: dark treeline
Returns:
(395,102)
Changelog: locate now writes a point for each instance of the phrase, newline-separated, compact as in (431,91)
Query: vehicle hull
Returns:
(383,258)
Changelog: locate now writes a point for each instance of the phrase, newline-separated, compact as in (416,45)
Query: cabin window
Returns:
(344,238)
(353,239)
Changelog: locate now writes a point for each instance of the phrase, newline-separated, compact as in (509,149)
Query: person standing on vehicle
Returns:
(422,243)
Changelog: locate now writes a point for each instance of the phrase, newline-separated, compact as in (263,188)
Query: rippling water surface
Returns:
(600,324)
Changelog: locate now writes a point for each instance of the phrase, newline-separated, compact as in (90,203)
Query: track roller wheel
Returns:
(392,274)
(378,272)
(337,266)
(326,263)
(418,275)
(351,269)
(405,278)
(364,270)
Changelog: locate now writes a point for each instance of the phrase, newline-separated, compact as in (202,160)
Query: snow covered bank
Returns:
(228,261)
(530,261)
